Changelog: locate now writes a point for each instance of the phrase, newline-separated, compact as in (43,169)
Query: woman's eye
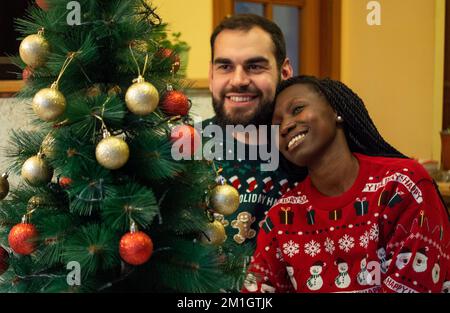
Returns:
(297,109)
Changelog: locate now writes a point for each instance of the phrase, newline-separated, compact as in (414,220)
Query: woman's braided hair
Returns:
(360,131)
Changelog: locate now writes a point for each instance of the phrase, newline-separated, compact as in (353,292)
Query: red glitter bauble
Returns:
(136,248)
(175,103)
(22,238)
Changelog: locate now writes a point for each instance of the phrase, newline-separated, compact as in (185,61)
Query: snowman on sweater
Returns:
(364,278)
(343,279)
(315,281)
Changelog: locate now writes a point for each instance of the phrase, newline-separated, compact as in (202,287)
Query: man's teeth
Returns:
(240,99)
(295,140)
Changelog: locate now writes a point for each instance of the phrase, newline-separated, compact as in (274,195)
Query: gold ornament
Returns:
(36,171)
(49,103)
(4,186)
(34,49)
(214,234)
(112,152)
(142,97)
(224,199)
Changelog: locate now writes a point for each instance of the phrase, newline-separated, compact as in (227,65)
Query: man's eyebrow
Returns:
(257,60)
(222,61)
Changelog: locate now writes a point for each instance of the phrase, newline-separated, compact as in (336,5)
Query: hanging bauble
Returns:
(135,247)
(142,97)
(224,199)
(166,53)
(22,238)
(42,4)
(4,186)
(214,234)
(186,138)
(36,171)
(49,103)
(112,152)
(4,260)
(27,73)
(65,182)
(175,102)
(34,50)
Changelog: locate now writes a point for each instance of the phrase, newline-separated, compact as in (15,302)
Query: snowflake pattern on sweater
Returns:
(388,233)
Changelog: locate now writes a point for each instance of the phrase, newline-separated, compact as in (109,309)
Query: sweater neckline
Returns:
(327,203)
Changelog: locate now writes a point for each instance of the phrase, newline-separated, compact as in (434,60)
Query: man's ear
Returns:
(210,76)
(286,70)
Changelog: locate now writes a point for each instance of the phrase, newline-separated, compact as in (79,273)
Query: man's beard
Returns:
(261,116)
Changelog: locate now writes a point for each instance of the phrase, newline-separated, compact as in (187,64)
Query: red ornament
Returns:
(42,4)
(65,182)
(166,53)
(186,136)
(4,260)
(26,74)
(22,238)
(175,103)
(136,248)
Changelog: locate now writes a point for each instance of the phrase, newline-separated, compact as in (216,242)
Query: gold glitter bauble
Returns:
(224,199)
(4,186)
(142,97)
(214,234)
(49,104)
(34,50)
(36,171)
(112,153)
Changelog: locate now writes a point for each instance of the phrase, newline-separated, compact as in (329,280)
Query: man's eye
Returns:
(255,67)
(224,67)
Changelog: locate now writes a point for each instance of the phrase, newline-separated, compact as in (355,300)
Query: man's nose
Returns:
(240,77)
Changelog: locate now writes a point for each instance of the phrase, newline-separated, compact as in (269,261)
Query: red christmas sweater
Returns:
(388,233)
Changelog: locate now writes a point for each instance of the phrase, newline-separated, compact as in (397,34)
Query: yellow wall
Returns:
(193,19)
(397,69)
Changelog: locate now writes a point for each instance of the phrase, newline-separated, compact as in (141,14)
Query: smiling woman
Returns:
(362,203)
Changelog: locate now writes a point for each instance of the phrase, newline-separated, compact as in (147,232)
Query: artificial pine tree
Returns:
(100,187)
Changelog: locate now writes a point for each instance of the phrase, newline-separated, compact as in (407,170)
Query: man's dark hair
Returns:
(360,131)
(245,22)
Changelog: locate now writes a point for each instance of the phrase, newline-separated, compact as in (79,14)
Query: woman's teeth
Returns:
(295,140)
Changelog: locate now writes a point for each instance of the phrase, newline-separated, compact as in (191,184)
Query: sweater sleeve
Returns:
(267,270)
(416,240)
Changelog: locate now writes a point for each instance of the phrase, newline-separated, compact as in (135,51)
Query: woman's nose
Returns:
(285,128)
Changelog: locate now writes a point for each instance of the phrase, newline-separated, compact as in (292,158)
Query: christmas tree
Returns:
(103,204)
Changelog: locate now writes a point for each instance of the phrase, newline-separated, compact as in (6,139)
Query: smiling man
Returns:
(248,61)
